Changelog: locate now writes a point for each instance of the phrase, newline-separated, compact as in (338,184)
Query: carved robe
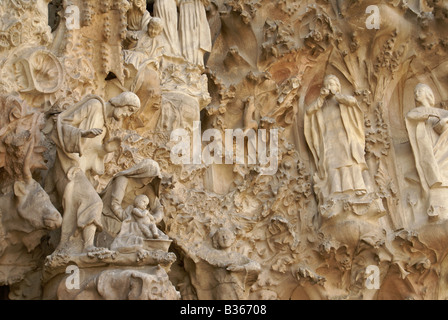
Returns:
(145,54)
(167,11)
(195,36)
(430,148)
(121,191)
(145,48)
(138,21)
(78,159)
(335,135)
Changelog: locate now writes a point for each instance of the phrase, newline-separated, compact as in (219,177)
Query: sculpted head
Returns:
(155,27)
(141,202)
(125,105)
(333,84)
(424,96)
(140,5)
(223,238)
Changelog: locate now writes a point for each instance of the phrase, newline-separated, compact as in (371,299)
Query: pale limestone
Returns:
(356,210)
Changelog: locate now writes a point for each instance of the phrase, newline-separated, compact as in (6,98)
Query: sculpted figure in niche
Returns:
(334,130)
(427,127)
(124,188)
(166,10)
(148,47)
(141,65)
(230,274)
(138,18)
(82,140)
(194,30)
(140,225)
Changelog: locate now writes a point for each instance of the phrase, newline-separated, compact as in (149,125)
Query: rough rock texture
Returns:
(120,177)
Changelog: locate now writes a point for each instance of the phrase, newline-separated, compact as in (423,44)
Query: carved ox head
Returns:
(34,208)
(25,207)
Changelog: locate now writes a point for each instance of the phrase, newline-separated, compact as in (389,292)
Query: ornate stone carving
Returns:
(26,211)
(346,102)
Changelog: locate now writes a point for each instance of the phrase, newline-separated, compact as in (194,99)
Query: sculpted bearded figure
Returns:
(334,130)
(82,140)
(427,127)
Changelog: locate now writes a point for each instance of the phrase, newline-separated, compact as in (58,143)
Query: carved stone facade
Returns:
(223,149)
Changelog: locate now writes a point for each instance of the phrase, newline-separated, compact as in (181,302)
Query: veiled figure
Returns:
(167,11)
(194,31)
(334,130)
(427,128)
(119,194)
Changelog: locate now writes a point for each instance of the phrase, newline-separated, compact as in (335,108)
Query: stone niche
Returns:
(223,149)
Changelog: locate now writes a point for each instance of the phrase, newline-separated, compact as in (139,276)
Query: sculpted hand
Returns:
(324,92)
(92,133)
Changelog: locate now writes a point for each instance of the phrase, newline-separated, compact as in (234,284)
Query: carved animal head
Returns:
(28,208)
(34,208)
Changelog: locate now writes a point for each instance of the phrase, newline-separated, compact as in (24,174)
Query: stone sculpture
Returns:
(352,95)
(194,31)
(82,140)
(26,212)
(120,193)
(334,128)
(166,10)
(229,274)
(427,126)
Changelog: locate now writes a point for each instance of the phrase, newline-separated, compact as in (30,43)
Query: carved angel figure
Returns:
(229,274)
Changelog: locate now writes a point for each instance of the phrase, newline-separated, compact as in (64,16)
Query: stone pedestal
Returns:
(109,275)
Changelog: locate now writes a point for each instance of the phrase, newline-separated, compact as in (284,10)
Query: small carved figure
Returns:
(147,47)
(227,275)
(142,179)
(249,114)
(138,226)
(146,222)
(142,72)
(137,18)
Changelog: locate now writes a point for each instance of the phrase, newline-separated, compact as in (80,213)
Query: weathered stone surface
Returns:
(223,149)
